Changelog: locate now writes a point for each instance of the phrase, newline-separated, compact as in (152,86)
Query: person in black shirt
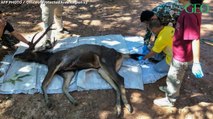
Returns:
(9,40)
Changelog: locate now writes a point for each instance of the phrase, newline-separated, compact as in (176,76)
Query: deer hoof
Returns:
(75,103)
(49,105)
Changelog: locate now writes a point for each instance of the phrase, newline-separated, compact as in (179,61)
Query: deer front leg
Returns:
(67,79)
(51,72)
(105,76)
(45,84)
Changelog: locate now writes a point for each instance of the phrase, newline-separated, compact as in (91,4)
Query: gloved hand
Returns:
(145,50)
(197,70)
(140,58)
(142,61)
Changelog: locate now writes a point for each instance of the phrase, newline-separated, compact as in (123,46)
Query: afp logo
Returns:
(204,8)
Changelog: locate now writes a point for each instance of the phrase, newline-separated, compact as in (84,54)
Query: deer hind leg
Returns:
(105,76)
(67,79)
(118,63)
(123,94)
(119,81)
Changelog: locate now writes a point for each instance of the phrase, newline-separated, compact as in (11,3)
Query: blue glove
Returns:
(140,58)
(197,70)
(142,61)
(145,50)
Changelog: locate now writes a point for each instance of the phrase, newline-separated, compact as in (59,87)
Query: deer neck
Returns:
(42,57)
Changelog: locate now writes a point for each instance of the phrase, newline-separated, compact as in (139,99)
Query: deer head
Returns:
(30,54)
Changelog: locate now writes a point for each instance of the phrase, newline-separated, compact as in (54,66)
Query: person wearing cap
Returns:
(167,13)
(14,37)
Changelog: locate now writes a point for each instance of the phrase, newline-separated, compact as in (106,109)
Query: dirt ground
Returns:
(102,17)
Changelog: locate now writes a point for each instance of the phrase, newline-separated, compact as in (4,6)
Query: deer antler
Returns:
(34,44)
(34,37)
(48,29)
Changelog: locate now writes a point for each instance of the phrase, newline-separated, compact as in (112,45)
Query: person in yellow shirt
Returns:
(163,43)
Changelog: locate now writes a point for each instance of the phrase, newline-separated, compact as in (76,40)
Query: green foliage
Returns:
(15,78)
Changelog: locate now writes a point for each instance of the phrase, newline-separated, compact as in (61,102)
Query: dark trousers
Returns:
(9,41)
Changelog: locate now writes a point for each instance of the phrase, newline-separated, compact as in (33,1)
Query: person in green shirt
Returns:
(167,13)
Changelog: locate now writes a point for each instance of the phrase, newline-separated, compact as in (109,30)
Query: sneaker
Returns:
(163,89)
(163,102)
(65,31)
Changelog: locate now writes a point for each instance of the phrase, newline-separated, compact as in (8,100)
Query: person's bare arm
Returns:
(2,25)
(151,53)
(196,67)
(196,51)
(19,37)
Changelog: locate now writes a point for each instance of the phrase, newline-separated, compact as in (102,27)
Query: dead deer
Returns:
(65,63)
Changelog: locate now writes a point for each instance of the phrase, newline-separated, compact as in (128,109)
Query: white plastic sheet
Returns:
(135,75)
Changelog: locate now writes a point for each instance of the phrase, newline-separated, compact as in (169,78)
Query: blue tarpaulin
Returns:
(32,74)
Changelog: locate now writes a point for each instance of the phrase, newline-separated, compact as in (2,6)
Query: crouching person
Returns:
(163,43)
(9,40)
